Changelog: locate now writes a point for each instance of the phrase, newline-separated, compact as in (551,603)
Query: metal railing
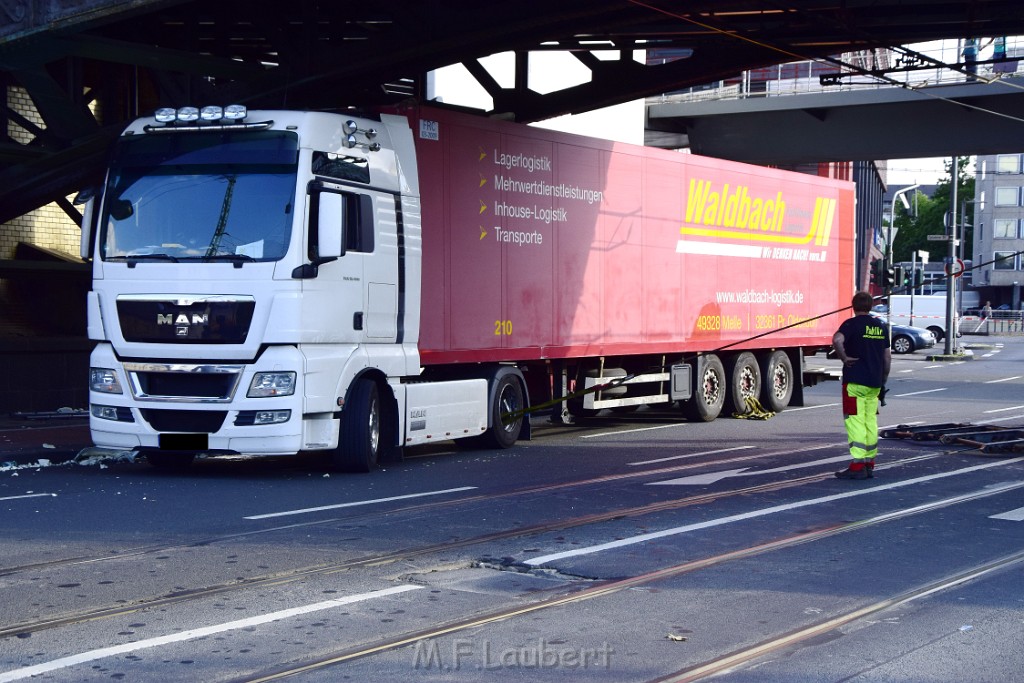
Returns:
(796,78)
(1000,323)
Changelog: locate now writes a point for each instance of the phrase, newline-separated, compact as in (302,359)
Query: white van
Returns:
(929,311)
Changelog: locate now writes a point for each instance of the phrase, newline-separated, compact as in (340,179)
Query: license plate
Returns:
(184,442)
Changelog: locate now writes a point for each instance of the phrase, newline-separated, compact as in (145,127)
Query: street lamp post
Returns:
(890,235)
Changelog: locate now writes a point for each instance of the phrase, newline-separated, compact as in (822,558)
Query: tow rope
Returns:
(755,411)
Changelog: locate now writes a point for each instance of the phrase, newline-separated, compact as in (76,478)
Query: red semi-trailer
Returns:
(586,260)
(273,282)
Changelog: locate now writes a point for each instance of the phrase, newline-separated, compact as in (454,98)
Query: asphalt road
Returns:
(632,548)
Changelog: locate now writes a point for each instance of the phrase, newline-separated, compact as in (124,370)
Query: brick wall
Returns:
(42,373)
(48,226)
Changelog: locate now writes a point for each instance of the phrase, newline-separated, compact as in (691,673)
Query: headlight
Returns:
(272,384)
(104,380)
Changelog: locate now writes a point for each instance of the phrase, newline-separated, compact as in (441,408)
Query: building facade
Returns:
(999,228)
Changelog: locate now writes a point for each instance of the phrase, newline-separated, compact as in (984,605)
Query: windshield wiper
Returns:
(132,259)
(238,259)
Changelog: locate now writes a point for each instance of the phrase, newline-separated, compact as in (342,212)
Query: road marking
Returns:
(1001,419)
(1003,410)
(688,455)
(823,405)
(103,653)
(1005,379)
(630,431)
(918,393)
(358,502)
(30,495)
(675,531)
(1013,515)
(712,477)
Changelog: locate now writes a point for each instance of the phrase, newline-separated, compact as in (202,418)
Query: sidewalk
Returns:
(27,441)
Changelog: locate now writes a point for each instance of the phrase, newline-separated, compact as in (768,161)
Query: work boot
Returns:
(870,467)
(857,471)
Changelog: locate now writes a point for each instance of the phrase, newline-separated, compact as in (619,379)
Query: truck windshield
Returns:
(205,196)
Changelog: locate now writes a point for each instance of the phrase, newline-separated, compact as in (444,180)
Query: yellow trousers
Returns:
(860,409)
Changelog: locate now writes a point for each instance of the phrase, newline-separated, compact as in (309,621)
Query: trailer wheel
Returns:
(777,384)
(744,381)
(360,437)
(709,393)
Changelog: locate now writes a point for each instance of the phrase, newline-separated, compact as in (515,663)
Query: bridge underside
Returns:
(91,65)
(964,119)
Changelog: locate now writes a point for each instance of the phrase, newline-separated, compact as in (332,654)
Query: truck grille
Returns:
(180,382)
(186,319)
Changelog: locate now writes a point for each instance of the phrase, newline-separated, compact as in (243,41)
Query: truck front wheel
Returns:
(709,394)
(360,439)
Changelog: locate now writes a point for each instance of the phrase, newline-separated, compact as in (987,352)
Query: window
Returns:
(1007,196)
(341,167)
(1008,163)
(1004,228)
(1004,260)
(359,222)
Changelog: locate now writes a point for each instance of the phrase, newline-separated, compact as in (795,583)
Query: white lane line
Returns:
(358,503)
(918,393)
(1003,410)
(1001,419)
(30,495)
(759,513)
(688,455)
(712,477)
(823,405)
(1005,379)
(1013,515)
(630,431)
(102,653)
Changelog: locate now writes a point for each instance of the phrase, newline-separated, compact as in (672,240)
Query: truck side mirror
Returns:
(87,200)
(329,226)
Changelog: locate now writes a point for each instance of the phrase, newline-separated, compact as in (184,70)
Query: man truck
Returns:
(276,282)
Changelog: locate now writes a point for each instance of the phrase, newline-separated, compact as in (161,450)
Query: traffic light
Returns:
(898,278)
(888,276)
(876,272)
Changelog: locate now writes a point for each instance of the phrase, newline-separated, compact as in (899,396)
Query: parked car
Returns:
(907,339)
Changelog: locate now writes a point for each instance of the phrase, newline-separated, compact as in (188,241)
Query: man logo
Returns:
(182,319)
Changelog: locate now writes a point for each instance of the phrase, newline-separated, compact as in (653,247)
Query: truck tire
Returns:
(776,381)
(508,400)
(709,391)
(744,381)
(506,414)
(359,442)
(938,332)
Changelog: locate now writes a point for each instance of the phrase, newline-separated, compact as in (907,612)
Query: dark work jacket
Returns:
(867,339)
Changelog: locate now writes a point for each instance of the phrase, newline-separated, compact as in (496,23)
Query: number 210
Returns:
(502,328)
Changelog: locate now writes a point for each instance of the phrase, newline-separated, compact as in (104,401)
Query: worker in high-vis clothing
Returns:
(862,344)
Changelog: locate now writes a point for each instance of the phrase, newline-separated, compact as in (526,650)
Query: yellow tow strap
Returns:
(755,411)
